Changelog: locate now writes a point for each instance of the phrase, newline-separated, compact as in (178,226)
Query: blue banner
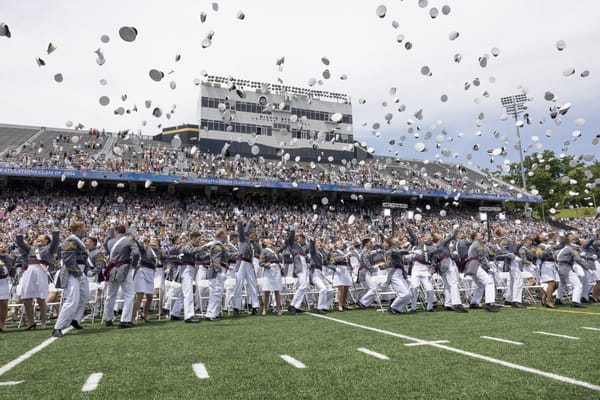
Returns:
(178,179)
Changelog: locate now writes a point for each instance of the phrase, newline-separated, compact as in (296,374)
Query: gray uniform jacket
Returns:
(567,256)
(298,252)
(43,254)
(74,258)
(476,257)
(123,253)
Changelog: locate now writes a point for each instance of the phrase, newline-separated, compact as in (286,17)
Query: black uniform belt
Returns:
(147,264)
(36,261)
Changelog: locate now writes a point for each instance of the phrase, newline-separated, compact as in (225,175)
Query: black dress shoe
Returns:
(559,302)
(75,324)
(474,306)
(321,311)
(577,305)
(490,307)
(292,310)
(516,304)
(508,303)
(125,325)
(192,321)
(460,308)
(236,312)
(361,306)
(299,310)
(108,323)
(255,311)
(31,327)
(175,318)
(393,311)
(431,310)
(57,333)
(448,308)
(585,300)
(212,319)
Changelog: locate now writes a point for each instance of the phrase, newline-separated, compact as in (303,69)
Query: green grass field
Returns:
(242,358)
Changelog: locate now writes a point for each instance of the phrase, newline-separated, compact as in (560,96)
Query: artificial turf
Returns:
(242,357)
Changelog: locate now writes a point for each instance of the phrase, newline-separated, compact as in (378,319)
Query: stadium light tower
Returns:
(515,105)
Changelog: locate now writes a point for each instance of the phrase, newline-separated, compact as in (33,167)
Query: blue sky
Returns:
(358,43)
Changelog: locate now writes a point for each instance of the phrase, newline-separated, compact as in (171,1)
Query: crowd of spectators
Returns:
(32,210)
(131,154)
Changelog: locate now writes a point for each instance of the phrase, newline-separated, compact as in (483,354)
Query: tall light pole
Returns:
(515,105)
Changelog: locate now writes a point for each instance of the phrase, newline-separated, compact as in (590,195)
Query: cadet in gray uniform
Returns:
(143,280)
(506,254)
(187,252)
(397,275)
(95,264)
(477,266)
(73,280)
(566,259)
(271,261)
(365,274)
(231,248)
(448,271)
(245,272)
(36,260)
(544,253)
(219,261)
(318,259)
(6,263)
(123,254)
(296,244)
(342,277)
(421,275)
(589,269)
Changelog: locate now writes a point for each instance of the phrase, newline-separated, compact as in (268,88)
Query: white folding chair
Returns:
(382,289)
(532,290)
(203,285)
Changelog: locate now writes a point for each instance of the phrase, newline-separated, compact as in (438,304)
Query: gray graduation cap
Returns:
(50,48)
(4,30)
(104,100)
(40,62)
(215,6)
(156,75)
(128,33)
(240,15)
(105,38)
(58,77)
(381,11)
(202,17)
(561,45)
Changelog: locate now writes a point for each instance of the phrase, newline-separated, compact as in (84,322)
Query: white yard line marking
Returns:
(30,353)
(92,382)
(11,383)
(426,343)
(589,328)
(373,353)
(557,335)
(292,361)
(200,371)
(501,340)
(534,371)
